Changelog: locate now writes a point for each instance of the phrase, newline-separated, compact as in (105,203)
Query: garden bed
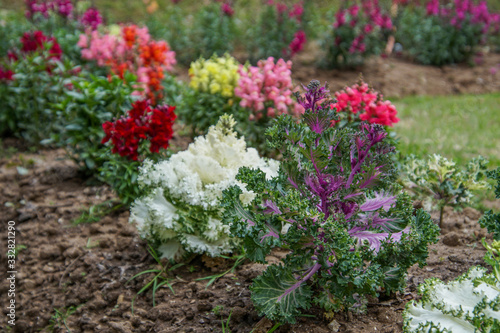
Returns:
(82,271)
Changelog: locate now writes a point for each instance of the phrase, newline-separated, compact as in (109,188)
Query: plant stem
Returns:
(441,217)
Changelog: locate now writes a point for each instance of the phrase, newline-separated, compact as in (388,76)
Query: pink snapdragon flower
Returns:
(267,89)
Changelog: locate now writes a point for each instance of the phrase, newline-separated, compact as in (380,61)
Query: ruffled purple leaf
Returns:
(271,233)
(271,208)
(381,200)
(373,220)
(375,239)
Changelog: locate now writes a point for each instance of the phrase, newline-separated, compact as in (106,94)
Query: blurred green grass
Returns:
(457,127)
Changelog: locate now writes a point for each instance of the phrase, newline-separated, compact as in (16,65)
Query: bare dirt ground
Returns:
(76,278)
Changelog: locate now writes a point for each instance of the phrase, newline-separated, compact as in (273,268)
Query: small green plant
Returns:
(91,244)
(60,316)
(96,212)
(490,220)
(225,324)
(238,259)
(440,182)
(161,277)
(217,310)
(18,249)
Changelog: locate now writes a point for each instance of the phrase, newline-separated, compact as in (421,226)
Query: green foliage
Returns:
(96,212)
(432,41)
(440,182)
(201,109)
(205,33)
(161,277)
(490,220)
(28,100)
(60,316)
(268,290)
(238,259)
(83,109)
(121,174)
(271,35)
(11,30)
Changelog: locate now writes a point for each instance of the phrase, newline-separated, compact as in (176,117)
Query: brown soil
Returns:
(89,266)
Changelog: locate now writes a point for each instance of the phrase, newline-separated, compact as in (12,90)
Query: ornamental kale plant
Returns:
(437,181)
(278,33)
(469,303)
(490,220)
(350,229)
(359,31)
(180,211)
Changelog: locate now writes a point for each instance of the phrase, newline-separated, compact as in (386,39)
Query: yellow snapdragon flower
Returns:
(217,75)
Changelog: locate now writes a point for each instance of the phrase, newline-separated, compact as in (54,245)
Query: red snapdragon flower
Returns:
(365,103)
(6,74)
(143,123)
(33,41)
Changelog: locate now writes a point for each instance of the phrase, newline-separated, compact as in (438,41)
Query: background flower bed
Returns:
(476,79)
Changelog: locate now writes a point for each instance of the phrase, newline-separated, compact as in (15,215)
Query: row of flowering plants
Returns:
(254,95)
(360,30)
(105,106)
(130,48)
(440,33)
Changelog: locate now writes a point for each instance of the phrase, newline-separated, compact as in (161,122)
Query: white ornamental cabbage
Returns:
(471,303)
(181,212)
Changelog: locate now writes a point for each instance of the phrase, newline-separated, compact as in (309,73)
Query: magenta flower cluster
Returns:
(266,89)
(91,18)
(294,12)
(459,12)
(364,19)
(63,8)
